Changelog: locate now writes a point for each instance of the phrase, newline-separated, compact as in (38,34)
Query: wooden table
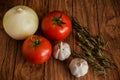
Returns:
(102,17)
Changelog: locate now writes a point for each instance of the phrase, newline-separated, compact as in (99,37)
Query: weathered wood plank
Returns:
(109,25)
(54,69)
(12,64)
(93,14)
(102,17)
(86,13)
(8,48)
(23,69)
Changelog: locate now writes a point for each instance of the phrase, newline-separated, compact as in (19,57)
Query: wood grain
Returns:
(101,17)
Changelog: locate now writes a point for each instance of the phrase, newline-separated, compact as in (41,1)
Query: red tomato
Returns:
(56,25)
(36,49)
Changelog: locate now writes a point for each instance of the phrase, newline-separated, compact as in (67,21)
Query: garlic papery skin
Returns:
(78,67)
(62,51)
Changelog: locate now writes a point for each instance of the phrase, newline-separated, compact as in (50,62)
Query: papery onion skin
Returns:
(20,22)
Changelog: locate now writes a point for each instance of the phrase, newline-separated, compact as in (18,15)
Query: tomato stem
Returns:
(35,42)
(58,20)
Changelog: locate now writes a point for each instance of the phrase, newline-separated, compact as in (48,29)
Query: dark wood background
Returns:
(102,17)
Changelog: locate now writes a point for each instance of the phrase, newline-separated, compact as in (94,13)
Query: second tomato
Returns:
(56,25)
(37,49)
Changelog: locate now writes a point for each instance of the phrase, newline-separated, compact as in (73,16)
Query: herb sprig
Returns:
(92,48)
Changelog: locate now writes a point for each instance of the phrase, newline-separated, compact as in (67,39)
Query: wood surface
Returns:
(102,17)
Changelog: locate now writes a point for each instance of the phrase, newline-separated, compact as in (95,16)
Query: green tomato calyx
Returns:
(35,41)
(58,20)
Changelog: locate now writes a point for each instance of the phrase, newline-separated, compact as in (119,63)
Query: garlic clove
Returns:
(78,67)
(61,51)
(56,51)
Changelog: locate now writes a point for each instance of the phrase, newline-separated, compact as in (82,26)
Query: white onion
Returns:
(20,22)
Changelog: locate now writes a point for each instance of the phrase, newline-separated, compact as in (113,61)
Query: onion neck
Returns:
(19,10)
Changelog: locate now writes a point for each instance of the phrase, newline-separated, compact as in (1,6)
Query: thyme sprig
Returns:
(92,48)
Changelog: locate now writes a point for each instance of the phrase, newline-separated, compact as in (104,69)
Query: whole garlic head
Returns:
(61,51)
(78,67)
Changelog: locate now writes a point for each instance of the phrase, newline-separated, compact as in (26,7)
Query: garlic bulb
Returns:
(61,51)
(78,67)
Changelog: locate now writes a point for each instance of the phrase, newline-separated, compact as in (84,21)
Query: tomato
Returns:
(36,49)
(56,25)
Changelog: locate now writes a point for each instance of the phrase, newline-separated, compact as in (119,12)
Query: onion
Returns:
(20,22)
